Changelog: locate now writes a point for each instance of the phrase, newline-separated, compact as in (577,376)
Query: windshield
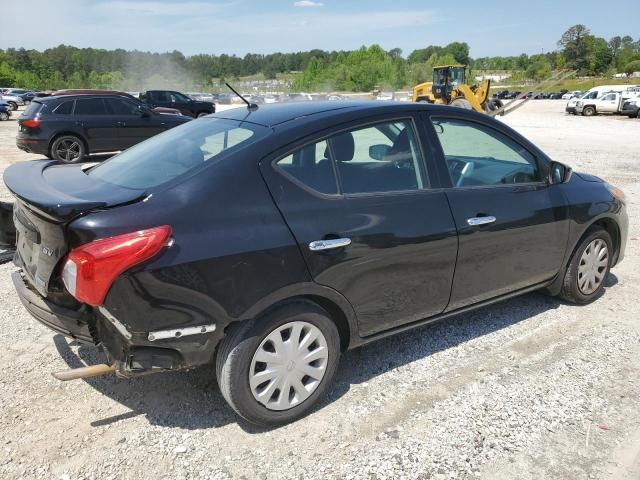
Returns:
(177,152)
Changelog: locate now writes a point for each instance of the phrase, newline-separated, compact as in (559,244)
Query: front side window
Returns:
(380,158)
(90,106)
(477,155)
(120,106)
(176,152)
(178,98)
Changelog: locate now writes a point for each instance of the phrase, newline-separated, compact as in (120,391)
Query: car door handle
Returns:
(476,221)
(319,245)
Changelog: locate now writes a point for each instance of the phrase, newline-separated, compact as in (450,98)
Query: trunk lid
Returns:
(49,196)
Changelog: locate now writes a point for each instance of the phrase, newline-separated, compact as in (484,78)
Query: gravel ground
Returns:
(530,388)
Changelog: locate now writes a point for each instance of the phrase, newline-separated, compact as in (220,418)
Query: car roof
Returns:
(276,114)
(54,98)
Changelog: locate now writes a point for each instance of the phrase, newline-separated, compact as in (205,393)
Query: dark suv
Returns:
(68,128)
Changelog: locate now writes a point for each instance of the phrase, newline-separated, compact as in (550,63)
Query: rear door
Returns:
(513,226)
(100,129)
(360,206)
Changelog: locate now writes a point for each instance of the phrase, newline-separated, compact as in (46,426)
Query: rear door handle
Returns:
(476,221)
(320,245)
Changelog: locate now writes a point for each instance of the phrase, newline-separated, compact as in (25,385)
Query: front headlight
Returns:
(616,192)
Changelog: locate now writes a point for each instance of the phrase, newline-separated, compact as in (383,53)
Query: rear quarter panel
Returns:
(232,249)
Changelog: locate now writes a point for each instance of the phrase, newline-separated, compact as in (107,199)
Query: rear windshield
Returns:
(32,109)
(177,152)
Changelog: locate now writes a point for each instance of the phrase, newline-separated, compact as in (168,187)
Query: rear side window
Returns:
(90,106)
(65,108)
(380,158)
(177,152)
(312,167)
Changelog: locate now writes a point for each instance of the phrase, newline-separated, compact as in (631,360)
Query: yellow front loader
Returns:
(449,88)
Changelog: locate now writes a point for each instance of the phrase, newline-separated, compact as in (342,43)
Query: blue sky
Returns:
(241,26)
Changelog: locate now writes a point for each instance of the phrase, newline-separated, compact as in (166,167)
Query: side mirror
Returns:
(378,152)
(144,111)
(559,173)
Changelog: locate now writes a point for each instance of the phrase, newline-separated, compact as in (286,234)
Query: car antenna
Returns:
(250,106)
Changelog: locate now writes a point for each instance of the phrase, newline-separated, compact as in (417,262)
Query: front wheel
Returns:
(4,116)
(202,114)
(13,106)
(275,369)
(588,269)
(589,111)
(68,149)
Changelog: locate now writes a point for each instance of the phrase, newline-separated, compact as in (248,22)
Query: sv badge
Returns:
(48,251)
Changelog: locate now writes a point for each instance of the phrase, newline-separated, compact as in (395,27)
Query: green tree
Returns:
(574,43)
(632,67)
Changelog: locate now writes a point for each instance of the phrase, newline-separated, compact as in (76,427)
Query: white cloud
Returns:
(308,3)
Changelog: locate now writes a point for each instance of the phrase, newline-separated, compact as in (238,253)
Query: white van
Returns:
(597,92)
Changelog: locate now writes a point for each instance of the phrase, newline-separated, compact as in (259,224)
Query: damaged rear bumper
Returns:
(132,353)
(71,323)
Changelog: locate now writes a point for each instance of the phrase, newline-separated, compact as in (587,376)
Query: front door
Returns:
(133,126)
(608,103)
(512,225)
(359,205)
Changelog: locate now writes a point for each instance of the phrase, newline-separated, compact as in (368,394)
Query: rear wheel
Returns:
(68,149)
(13,106)
(275,369)
(4,116)
(461,103)
(589,111)
(589,267)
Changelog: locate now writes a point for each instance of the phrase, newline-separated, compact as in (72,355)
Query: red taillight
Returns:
(90,270)
(31,123)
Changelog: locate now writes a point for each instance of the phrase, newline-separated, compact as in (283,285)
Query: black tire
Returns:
(237,349)
(202,114)
(4,116)
(13,106)
(6,255)
(68,149)
(588,111)
(461,103)
(571,291)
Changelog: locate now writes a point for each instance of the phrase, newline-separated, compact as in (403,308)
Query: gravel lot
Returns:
(530,388)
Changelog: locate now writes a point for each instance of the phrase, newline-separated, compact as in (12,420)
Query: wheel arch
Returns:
(338,308)
(68,132)
(606,223)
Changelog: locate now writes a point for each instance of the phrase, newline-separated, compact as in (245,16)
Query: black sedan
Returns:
(266,241)
(68,128)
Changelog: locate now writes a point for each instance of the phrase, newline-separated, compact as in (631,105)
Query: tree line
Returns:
(357,70)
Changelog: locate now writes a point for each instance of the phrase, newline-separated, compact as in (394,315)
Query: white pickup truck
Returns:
(610,102)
